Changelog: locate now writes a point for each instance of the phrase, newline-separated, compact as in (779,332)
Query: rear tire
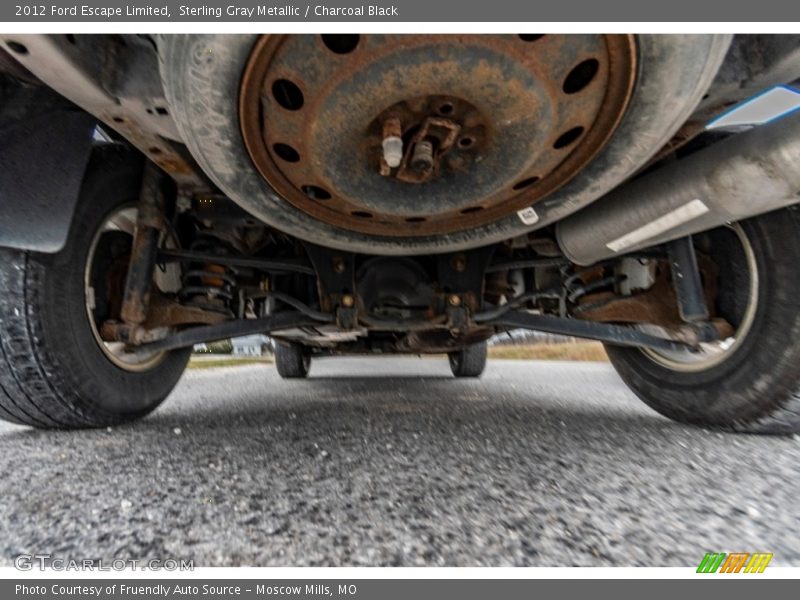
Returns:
(53,372)
(469,361)
(292,360)
(755,386)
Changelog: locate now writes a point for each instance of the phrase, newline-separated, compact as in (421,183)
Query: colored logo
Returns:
(735,562)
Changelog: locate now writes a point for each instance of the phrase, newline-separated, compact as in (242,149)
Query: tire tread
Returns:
(760,391)
(41,385)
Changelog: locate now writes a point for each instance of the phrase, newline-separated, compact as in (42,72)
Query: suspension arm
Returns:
(222,331)
(612,334)
(277,265)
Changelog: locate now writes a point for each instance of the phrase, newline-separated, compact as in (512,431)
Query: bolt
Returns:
(422,159)
(338,264)
(459,263)
(392,142)
(454,300)
(348,301)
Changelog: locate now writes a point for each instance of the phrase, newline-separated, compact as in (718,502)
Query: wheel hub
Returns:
(418,135)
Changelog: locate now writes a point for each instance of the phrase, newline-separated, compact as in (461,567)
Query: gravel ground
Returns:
(392,462)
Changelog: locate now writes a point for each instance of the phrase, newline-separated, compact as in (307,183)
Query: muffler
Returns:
(743,176)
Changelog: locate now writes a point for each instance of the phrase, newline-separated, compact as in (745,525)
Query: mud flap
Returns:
(44,159)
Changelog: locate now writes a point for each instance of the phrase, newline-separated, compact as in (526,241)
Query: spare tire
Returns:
(202,76)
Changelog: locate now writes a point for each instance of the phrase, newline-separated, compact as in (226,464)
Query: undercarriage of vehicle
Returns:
(378,194)
(242,279)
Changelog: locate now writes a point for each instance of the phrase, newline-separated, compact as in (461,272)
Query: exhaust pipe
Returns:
(743,176)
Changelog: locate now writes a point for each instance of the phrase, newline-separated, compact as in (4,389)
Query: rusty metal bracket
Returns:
(462,274)
(681,300)
(336,276)
(457,318)
(162,312)
(445,132)
(165,312)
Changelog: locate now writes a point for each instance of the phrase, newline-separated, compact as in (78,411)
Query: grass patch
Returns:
(578,351)
(585,351)
(213,363)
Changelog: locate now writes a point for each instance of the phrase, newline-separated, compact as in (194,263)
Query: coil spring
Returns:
(207,285)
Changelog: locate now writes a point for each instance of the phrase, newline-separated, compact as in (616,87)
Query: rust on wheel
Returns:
(429,134)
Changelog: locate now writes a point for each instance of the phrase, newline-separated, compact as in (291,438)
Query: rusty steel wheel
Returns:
(400,135)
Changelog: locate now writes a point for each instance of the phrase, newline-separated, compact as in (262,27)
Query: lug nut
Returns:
(338,265)
(422,160)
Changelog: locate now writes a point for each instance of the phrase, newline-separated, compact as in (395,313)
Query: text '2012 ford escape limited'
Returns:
(397,194)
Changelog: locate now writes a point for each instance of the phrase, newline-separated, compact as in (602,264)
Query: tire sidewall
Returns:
(292,360)
(80,369)
(469,361)
(761,374)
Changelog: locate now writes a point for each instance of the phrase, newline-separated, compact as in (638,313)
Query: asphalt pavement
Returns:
(391,461)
